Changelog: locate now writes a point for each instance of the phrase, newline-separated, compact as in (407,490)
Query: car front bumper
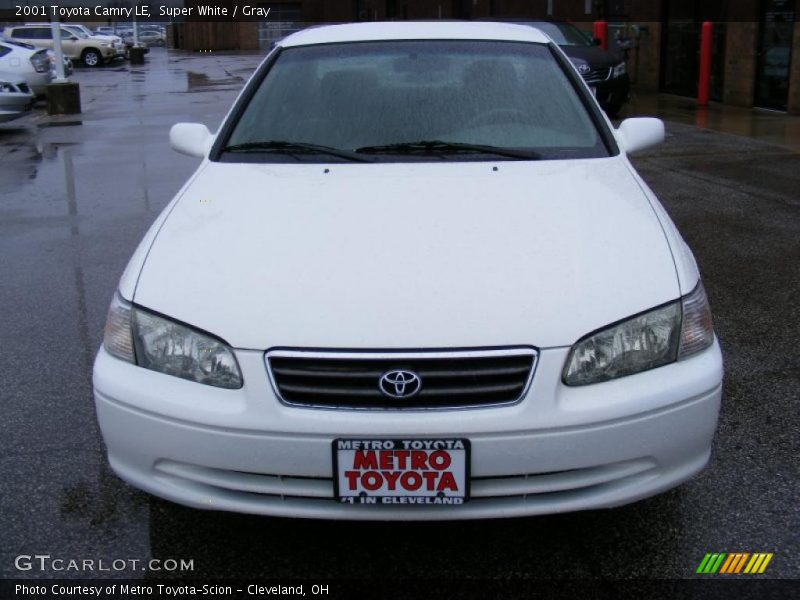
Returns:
(559,449)
(612,93)
(38,82)
(15,105)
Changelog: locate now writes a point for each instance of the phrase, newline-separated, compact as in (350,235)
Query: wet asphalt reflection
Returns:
(77,194)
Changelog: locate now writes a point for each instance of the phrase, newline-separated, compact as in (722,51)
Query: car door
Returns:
(41,37)
(70,44)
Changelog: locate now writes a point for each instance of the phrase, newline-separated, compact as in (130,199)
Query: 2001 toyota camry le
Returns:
(414,277)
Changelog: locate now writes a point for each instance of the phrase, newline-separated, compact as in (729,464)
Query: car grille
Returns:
(457,379)
(597,75)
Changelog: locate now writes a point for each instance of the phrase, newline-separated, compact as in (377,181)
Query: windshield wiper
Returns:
(442,147)
(295,148)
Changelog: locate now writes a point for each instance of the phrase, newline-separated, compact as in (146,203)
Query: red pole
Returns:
(601,33)
(704,82)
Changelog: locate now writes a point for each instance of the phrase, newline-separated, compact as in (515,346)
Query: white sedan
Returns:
(23,62)
(16,99)
(414,277)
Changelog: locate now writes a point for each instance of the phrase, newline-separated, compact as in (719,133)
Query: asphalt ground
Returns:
(77,194)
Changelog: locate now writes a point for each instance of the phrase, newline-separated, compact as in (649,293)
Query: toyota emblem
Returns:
(400,384)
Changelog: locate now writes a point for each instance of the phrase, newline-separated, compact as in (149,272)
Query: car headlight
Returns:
(620,70)
(159,344)
(652,339)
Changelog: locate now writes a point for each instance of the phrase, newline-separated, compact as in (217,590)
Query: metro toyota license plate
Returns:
(401,471)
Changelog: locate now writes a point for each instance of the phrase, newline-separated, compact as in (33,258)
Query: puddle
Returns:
(199,82)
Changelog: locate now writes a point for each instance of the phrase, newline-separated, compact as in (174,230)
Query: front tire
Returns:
(91,58)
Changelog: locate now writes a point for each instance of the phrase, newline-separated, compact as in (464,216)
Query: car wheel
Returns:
(92,58)
(160,43)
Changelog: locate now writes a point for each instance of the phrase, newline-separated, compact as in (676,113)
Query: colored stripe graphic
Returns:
(741,562)
(759,562)
(732,558)
(711,562)
(733,563)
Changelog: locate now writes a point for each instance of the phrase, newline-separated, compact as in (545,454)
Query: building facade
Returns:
(756,46)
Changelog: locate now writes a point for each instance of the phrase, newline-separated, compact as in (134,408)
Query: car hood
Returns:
(595,56)
(408,255)
(105,38)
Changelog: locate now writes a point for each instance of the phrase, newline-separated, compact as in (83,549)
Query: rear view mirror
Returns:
(192,139)
(640,133)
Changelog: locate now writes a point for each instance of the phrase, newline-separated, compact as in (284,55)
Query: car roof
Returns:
(415,30)
(19,46)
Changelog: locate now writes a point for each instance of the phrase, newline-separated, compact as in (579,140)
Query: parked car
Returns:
(16,98)
(68,67)
(415,276)
(114,40)
(104,30)
(153,27)
(604,72)
(23,62)
(128,38)
(152,38)
(91,52)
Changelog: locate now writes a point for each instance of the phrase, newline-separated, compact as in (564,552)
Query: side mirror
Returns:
(192,139)
(640,133)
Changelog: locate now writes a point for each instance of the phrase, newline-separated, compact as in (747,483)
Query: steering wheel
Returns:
(498,116)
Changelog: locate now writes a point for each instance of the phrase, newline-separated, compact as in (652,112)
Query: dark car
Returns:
(602,70)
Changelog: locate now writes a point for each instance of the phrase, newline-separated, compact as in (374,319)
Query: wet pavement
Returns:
(759,124)
(77,194)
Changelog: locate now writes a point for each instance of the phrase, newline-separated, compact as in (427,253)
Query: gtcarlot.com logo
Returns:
(45,562)
(734,563)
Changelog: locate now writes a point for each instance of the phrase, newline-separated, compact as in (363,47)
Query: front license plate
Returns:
(401,471)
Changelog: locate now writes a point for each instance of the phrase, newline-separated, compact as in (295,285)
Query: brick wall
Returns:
(740,63)
(647,72)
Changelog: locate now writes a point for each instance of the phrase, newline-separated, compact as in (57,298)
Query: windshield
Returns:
(563,34)
(422,100)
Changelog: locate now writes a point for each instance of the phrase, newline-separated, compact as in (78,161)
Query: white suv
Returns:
(414,277)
